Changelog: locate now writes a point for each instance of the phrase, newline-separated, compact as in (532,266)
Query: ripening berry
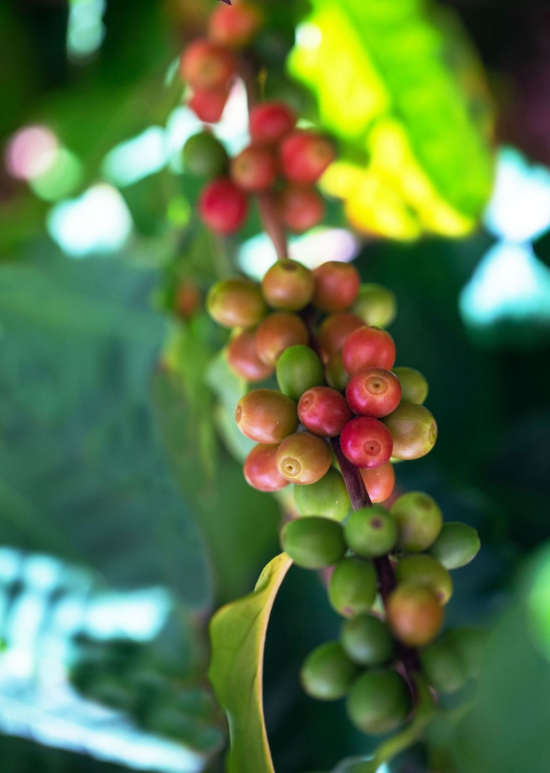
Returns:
(301,207)
(242,358)
(234,25)
(298,369)
(375,305)
(413,430)
(260,469)
(379,482)
(209,104)
(366,640)
(443,667)
(288,285)
(373,392)
(334,331)
(336,376)
(324,411)
(328,497)
(313,543)
(368,347)
(188,299)
(456,545)
(414,615)
(277,333)
(305,155)
(425,571)
(336,286)
(371,532)
(235,303)
(223,206)
(414,386)
(204,156)
(471,643)
(266,416)
(206,65)
(303,458)
(352,587)
(327,673)
(379,702)
(366,442)
(270,121)
(419,521)
(254,169)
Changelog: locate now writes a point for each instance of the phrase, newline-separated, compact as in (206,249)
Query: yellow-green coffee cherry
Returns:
(414,387)
(299,369)
(352,587)
(375,305)
(314,543)
(371,532)
(328,497)
(379,702)
(414,614)
(427,572)
(413,429)
(456,546)
(236,303)
(327,673)
(303,458)
(418,519)
(367,640)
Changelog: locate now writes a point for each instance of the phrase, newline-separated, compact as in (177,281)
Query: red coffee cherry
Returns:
(334,331)
(373,392)
(223,207)
(305,155)
(206,65)
(368,347)
(254,169)
(266,416)
(270,121)
(323,411)
(234,25)
(379,482)
(276,333)
(303,458)
(260,469)
(235,303)
(288,285)
(242,358)
(301,208)
(336,286)
(414,615)
(209,104)
(366,442)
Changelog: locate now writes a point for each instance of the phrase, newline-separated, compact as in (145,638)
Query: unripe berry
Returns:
(336,376)
(288,285)
(456,545)
(425,571)
(277,333)
(471,644)
(266,416)
(336,286)
(209,104)
(368,347)
(375,305)
(313,543)
(254,169)
(234,25)
(379,482)
(327,673)
(379,702)
(413,430)
(323,411)
(303,458)
(243,359)
(419,521)
(352,587)
(328,497)
(235,303)
(300,207)
(298,369)
(373,392)
(366,442)
(414,615)
(366,640)
(270,121)
(206,65)
(414,386)
(188,299)
(371,532)
(260,469)
(334,331)
(223,207)
(204,155)
(443,667)
(305,156)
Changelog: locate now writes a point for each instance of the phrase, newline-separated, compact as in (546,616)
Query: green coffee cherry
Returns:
(419,521)
(427,572)
(336,376)
(204,156)
(327,673)
(375,305)
(371,531)
(314,543)
(352,587)
(444,667)
(413,430)
(471,643)
(367,640)
(379,702)
(414,387)
(328,497)
(299,369)
(456,546)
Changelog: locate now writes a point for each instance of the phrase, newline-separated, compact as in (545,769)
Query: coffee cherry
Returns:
(300,207)
(206,65)
(234,25)
(303,458)
(235,303)
(334,331)
(270,121)
(209,104)
(188,299)
(371,532)
(254,169)
(368,347)
(336,376)
(204,156)
(419,521)
(373,392)
(260,469)
(471,644)
(327,673)
(313,543)
(379,482)
(336,286)
(443,667)
(323,411)
(352,587)
(328,497)
(414,615)
(366,442)
(266,416)
(298,369)
(375,305)
(366,640)
(456,545)
(243,359)
(413,430)
(305,156)
(414,386)
(379,702)
(223,207)
(425,571)
(288,285)
(277,333)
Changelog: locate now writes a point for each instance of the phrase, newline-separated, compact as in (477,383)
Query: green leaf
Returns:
(238,634)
